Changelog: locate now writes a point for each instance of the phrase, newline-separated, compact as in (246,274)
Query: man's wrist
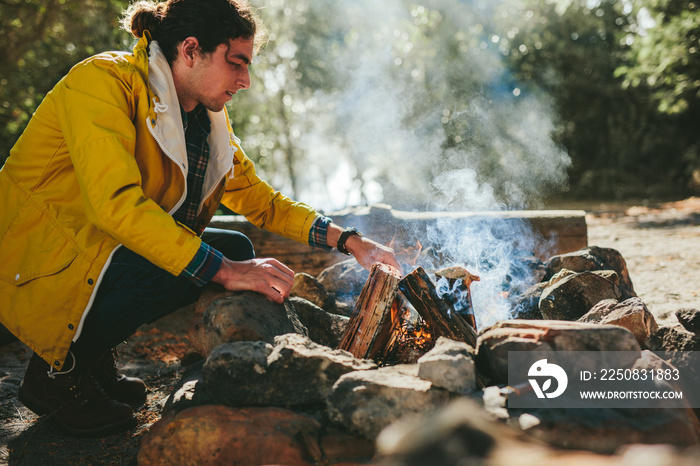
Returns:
(204,265)
(345,237)
(319,233)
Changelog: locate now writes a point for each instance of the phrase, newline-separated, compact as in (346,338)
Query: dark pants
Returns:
(133,292)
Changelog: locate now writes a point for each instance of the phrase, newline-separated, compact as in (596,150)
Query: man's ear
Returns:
(188,50)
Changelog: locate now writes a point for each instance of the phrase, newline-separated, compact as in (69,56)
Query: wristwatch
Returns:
(344,237)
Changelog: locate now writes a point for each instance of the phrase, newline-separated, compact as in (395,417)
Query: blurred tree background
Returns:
(464,104)
(40,40)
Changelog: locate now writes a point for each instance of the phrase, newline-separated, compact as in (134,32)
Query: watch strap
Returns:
(344,237)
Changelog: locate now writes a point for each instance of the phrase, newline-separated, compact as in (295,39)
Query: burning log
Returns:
(408,340)
(457,292)
(380,326)
(437,313)
(371,323)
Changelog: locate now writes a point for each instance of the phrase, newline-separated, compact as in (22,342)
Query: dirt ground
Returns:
(661,244)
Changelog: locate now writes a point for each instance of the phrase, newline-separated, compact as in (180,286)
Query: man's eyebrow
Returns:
(243,58)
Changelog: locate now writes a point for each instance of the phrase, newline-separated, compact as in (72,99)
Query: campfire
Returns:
(287,362)
(397,319)
(411,338)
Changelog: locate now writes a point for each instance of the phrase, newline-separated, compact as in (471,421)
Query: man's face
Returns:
(213,79)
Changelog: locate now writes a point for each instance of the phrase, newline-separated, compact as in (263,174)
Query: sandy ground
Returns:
(660,243)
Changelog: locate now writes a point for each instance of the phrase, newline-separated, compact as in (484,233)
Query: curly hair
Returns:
(212,22)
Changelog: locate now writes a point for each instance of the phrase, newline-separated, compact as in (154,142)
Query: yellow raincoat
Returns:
(102,163)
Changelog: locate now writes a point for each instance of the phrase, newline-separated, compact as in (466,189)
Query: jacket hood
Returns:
(167,127)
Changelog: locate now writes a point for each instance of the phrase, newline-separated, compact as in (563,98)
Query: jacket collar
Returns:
(166,121)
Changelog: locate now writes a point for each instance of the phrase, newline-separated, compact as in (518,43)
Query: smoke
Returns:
(427,116)
(501,251)
(425,112)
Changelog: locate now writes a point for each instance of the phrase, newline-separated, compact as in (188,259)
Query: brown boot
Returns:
(73,398)
(129,390)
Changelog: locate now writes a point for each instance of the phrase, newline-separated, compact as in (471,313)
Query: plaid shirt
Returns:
(197,129)
(207,260)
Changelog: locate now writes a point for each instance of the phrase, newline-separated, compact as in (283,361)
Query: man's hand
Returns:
(367,252)
(267,276)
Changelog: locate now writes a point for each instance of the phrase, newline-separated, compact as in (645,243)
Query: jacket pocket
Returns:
(33,247)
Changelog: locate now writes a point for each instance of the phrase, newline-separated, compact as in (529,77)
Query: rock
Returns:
(368,401)
(449,365)
(342,308)
(295,371)
(344,281)
(527,305)
(187,393)
(324,328)
(495,400)
(574,295)
(673,338)
(209,293)
(690,319)
(340,446)
(535,267)
(604,430)
(687,363)
(458,433)
(496,341)
(631,314)
(309,288)
(650,360)
(559,276)
(609,275)
(219,435)
(242,316)
(590,259)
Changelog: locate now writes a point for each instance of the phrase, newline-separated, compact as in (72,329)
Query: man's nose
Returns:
(244,79)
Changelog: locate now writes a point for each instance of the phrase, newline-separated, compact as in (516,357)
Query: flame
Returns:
(421,336)
(413,253)
(409,333)
(406,255)
(409,338)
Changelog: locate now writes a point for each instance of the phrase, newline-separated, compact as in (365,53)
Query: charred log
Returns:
(441,318)
(371,323)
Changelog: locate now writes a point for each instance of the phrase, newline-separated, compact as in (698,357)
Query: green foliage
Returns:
(41,40)
(665,54)
(281,105)
(620,145)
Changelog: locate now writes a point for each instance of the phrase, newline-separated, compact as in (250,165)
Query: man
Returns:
(106,195)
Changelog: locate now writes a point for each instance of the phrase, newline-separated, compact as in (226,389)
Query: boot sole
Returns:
(38,408)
